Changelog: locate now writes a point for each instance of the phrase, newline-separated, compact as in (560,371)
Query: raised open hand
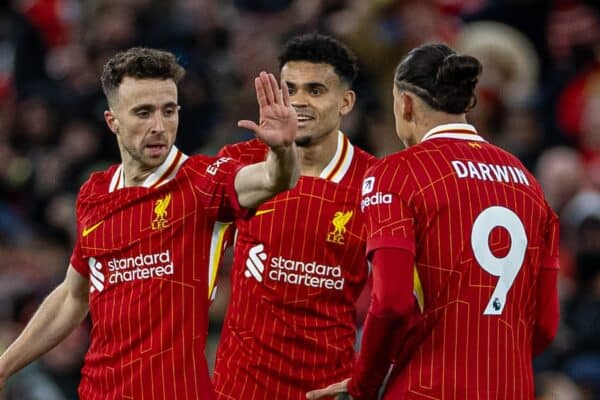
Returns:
(277,118)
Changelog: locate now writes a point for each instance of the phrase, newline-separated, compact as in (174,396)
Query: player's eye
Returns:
(143,114)
(316,91)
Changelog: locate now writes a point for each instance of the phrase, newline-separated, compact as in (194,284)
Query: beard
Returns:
(303,141)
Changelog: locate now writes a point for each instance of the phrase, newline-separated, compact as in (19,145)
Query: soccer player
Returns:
(484,241)
(299,263)
(149,238)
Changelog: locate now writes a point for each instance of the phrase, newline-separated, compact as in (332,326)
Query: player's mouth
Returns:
(303,119)
(156,149)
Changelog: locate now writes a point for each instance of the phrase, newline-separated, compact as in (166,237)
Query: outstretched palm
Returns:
(278,121)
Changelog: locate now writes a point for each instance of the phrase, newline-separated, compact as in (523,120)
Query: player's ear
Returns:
(348,101)
(112,121)
(408,106)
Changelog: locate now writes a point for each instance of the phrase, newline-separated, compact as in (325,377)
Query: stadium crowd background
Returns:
(539,98)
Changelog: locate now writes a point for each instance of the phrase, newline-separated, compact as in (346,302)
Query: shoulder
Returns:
(364,158)
(388,163)
(250,151)
(203,167)
(98,182)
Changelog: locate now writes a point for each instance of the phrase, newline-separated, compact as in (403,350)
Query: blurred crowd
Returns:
(539,97)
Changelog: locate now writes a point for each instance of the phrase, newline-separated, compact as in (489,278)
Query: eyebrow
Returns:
(152,107)
(308,84)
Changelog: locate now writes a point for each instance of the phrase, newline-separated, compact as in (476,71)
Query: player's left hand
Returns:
(278,121)
(339,391)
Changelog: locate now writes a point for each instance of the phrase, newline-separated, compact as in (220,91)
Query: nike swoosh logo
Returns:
(87,231)
(262,212)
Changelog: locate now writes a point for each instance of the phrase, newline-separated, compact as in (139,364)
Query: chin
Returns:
(303,141)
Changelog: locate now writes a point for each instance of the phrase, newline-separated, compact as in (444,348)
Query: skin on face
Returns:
(319,97)
(144,116)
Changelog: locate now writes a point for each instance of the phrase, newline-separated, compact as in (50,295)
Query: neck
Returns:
(315,157)
(425,124)
(134,172)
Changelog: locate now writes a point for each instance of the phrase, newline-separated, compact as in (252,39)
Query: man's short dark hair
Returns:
(318,48)
(139,63)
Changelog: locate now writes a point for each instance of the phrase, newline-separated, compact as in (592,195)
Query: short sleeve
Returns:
(387,193)
(77,259)
(219,185)
(78,262)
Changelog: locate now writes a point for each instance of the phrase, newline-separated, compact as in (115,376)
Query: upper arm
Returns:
(386,203)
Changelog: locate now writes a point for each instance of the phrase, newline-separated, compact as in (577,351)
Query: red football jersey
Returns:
(298,270)
(151,254)
(480,229)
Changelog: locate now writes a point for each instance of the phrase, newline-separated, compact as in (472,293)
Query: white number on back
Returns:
(506,267)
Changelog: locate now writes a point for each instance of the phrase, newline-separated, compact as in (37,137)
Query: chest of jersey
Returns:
(310,237)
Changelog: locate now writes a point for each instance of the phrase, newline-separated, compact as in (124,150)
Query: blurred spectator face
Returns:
(581,218)
(71,64)
(113,27)
(79,141)
(252,51)
(560,173)
(572,26)
(520,133)
(591,123)
(319,97)
(590,131)
(144,116)
(36,121)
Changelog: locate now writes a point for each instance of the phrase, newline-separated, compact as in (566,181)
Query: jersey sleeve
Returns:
(550,256)
(219,186)
(77,259)
(387,193)
(249,152)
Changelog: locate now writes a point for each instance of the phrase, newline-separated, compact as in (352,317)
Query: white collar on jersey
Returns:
(163,174)
(340,163)
(454,131)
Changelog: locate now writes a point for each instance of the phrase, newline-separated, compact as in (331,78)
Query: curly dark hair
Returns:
(318,48)
(140,63)
(444,79)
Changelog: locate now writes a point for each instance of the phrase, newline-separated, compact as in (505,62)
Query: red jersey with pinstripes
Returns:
(298,270)
(151,255)
(481,231)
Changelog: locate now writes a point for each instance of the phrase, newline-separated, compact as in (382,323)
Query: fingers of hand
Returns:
(261,96)
(275,86)
(286,93)
(251,125)
(325,392)
(268,86)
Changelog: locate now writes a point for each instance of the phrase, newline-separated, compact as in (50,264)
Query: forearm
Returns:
(258,182)
(58,315)
(283,168)
(387,322)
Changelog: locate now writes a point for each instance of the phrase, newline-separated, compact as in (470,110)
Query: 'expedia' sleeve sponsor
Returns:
(216,181)
(386,196)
